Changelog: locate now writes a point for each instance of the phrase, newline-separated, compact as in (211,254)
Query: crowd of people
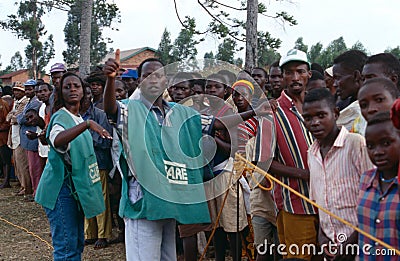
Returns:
(152,152)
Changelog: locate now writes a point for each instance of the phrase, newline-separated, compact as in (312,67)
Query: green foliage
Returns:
(165,47)
(26,24)
(226,50)
(185,44)
(16,62)
(104,14)
(209,60)
(239,62)
(395,51)
(315,52)
(299,45)
(359,46)
(325,57)
(267,46)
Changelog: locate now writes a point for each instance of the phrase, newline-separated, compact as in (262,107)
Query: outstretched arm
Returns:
(110,70)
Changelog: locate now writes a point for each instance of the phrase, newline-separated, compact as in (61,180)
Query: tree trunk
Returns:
(85,33)
(251,35)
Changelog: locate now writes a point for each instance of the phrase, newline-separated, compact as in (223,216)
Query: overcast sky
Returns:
(374,23)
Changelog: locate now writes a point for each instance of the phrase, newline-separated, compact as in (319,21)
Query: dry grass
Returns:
(16,244)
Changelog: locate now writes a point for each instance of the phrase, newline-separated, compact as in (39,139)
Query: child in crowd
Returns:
(336,160)
(375,95)
(379,206)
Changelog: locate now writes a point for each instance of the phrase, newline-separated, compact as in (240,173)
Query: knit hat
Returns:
(58,67)
(244,83)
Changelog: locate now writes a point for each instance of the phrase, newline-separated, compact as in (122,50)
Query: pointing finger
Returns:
(117,56)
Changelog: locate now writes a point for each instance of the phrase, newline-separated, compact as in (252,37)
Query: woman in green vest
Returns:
(70,187)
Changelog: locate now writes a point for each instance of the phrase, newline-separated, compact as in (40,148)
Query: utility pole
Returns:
(251,35)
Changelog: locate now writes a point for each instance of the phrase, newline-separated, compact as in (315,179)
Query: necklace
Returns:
(386,180)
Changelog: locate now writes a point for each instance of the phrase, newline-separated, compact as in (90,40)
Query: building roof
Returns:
(10,75)
(127,54)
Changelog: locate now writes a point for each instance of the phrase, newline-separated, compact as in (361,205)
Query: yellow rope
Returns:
(270,177)
(27,231)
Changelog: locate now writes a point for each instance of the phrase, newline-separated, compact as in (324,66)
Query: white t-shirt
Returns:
(42,149)
(58,128)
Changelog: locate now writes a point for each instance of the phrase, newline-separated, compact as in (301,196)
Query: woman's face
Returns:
(72,90)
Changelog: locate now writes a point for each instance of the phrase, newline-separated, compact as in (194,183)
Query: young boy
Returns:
(376,95)
(336,160)
(379,206)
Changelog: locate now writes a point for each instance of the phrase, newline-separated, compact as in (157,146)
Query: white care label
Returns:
(176,172)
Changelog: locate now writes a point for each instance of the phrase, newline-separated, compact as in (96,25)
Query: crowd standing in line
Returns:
(153,154)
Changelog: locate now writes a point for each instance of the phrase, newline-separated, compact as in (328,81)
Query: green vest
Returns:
(85,174)
(167,163)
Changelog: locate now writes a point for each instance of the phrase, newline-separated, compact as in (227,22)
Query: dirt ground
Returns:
(16,244)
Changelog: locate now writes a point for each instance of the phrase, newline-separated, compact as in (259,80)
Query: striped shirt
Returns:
(334,180)
(379,215)
(246,131)
(293,141)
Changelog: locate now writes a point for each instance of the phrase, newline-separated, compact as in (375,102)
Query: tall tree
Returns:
(185,44)
(103,15)
(209,60)
(224,22)
(315,52)
(16,62)
(84,36)
(226,50)
(299,45)
(267,53)
(27,25)
(334,49)
(251,34)
(165,48)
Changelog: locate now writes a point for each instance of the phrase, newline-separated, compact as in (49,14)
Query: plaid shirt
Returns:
(379,215)
(293,140)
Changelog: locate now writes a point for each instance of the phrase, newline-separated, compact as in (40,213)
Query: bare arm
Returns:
(66,136)
(110,70)
(278,169)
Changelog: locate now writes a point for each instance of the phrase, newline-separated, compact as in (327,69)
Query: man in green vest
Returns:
(161,163)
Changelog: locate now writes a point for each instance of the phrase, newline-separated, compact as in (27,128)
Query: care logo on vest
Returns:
(176,172)
(94,172)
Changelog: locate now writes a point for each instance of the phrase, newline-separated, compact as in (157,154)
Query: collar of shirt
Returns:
(158,112)
(374,182)
(339,141)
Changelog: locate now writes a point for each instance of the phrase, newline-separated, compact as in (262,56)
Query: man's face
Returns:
(30,91)
(18,94)
(295,76)
(120,92)
(241,97)
(180,91)
(373,70)
(97,89)
(276,81)
(56,78)
(153,80)
(215,88)
(198,94)
(43,93)
(260,77)
(344,82)
(32,118)
(320,119)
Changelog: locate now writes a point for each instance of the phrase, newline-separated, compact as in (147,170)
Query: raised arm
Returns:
(110,70)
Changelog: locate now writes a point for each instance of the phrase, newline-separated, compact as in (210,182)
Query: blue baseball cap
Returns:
(30,82)
(130,73)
